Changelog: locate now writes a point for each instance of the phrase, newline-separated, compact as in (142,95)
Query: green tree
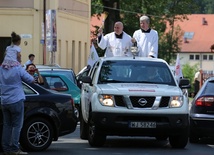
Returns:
(209,6)
(204,7)
(112,7)
(160,12)
(189,73)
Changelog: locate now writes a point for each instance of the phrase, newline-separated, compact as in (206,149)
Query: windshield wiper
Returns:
(143,82)
(110,81)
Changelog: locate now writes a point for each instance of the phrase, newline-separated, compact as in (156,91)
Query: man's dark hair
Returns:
(31,55)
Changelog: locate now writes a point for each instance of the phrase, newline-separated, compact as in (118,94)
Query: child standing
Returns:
(12,56)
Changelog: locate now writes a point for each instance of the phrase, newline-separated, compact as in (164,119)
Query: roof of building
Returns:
(198,31)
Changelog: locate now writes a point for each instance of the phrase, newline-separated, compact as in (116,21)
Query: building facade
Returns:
(27,18)
(197,41)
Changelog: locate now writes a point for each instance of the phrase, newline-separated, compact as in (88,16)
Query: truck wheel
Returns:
(83,127)
(193,138)
(77,111)
(178,141)
(95,137)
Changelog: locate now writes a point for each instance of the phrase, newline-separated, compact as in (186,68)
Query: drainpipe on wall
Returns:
(44,21)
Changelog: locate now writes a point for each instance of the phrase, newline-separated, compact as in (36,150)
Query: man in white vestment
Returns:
(146,39)
(117,43)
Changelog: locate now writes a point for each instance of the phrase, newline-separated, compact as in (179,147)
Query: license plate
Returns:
(142,124)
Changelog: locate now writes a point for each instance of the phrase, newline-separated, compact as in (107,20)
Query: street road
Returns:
(72,145)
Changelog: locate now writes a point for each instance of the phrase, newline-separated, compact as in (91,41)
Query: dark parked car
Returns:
(62,80)
(48,115)
(202,113)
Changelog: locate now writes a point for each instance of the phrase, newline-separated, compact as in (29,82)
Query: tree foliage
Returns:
(189,73)
(163,14)
(204,7)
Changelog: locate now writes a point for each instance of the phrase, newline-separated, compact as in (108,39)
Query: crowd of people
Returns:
(12,73)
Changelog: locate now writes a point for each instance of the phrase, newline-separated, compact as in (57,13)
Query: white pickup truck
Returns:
(127,96)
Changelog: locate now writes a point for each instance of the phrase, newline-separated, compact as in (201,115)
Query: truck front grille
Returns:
(135,101)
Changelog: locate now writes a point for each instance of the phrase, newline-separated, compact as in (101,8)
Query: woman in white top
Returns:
(12,56)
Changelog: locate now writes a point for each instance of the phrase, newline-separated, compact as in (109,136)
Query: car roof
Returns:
(39,66)
(132,58)
(56,69)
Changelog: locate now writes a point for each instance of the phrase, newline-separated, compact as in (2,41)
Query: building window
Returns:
(204,57)
(188,35)
(197,57)
(80,54)
(85,51)
(210,57)
(191,57)
(60,51)
(73,54)
(67,58)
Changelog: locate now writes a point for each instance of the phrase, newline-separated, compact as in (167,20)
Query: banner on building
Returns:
(51,31)
(178,70)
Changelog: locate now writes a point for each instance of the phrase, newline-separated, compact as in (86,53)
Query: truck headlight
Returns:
(176,102)
(106,100)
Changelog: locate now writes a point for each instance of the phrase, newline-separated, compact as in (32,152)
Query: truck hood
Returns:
(139,89)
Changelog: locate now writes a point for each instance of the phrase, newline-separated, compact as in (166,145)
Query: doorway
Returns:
(4,42)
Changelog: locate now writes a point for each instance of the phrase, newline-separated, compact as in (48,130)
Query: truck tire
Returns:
(178,141)
(95,136)
(83,127)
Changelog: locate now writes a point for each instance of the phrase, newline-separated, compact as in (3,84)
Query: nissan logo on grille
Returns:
(142,101)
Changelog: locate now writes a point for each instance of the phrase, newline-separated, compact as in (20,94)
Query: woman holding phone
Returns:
(32,70)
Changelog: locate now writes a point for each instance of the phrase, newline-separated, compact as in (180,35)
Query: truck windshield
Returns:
(135,72)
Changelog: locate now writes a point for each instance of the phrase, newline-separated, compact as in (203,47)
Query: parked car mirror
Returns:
(184,83)
(87,79)
(80,75)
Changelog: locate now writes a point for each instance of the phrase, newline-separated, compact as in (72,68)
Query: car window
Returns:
(27,90)
(70,74)
(135,72)
(208,87)
(85,73)
(56,83)
(94,70)
(91,71)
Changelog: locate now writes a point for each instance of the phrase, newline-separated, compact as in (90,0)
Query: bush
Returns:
(189,72)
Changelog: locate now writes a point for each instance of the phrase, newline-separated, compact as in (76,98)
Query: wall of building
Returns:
(17,3)
(74,17)
(25,17)
(206,65)
(73,42)
(20,21)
